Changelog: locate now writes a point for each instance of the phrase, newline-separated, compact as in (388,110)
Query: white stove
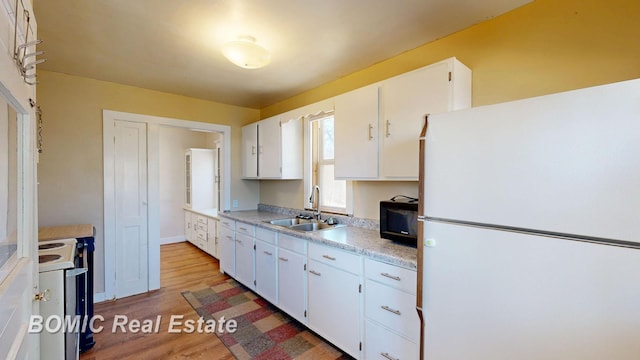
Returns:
(58,282)
(56,254)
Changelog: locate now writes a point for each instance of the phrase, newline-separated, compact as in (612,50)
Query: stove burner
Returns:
(48,258)
(50,246)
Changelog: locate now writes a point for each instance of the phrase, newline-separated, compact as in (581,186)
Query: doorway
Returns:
(114,253)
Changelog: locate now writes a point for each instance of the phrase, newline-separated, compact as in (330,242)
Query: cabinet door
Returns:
(227,251)
(250,151)
(188,226)
(266,271)
(269,156)
(292,284)
(212,238)
(406,100)
(334,306)
(245,260)
(356,133)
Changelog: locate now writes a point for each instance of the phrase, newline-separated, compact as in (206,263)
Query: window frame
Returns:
(310,170)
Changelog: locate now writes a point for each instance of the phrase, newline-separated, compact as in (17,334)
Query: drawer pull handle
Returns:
(239,241)
(393,277)
(386,355)
(283,259)
(385,307)
(268,253)
(329,257)
(229,237)
(315,273)
(243,229)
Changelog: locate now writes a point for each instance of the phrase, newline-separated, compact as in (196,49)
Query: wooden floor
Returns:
(184,267)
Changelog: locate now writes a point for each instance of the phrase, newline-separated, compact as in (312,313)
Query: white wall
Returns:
(172,143)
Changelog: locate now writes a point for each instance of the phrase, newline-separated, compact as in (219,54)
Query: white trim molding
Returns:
(153,123)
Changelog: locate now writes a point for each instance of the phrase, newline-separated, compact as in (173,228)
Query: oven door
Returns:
(71,338)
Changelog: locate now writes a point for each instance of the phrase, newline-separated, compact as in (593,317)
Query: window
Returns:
(334,194)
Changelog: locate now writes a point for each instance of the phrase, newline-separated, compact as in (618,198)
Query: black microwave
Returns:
(399,221)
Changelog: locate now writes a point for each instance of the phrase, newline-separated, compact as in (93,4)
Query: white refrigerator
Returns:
(530,221)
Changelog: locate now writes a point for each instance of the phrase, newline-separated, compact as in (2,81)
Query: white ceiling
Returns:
(174,45)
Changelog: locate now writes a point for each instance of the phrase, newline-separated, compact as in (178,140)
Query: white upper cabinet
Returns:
(356,120)
(250,151)
(378,126)
(272,149)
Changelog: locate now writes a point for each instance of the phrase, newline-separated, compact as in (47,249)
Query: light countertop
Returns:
(363,241)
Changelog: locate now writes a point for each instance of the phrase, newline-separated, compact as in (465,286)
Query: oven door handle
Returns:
(75,272)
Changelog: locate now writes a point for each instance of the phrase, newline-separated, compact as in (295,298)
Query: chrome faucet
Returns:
(315,201)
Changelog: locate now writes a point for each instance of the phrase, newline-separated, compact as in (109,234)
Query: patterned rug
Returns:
(264,332)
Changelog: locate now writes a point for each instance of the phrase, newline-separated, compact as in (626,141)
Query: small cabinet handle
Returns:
(386,355)
(315,273)
(243,229)
(370,132)
(239,241)
(393,277)
(268,253)
(283,259)
(388,128)
(329,257)
(385,307)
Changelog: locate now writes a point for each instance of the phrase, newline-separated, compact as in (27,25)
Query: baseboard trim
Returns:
(172,239)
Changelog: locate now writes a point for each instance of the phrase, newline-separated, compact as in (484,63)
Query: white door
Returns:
(250,151)
(131,208)
(406,101)
(292,283)
(356,134)
(269,156)
(266,271)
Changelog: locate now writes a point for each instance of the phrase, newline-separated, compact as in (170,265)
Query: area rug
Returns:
(264,331)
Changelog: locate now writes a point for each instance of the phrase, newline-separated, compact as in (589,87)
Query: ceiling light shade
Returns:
(245,53)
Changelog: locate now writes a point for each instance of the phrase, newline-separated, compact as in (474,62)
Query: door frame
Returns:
(153,216)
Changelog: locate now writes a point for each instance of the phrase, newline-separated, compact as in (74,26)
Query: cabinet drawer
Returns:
(380,343)
(335,257)
(226,233)
(246,229)
(201,235)
(292,243)
(202,220)
(392,308)
(266,235)
(228,223)
(401,278)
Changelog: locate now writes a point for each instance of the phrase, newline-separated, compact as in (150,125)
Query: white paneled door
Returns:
(130,170)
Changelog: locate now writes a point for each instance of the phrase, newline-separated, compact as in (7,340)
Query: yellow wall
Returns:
(544,47)
(71,167)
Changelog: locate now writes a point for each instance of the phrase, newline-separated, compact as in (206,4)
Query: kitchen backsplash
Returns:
(348,220)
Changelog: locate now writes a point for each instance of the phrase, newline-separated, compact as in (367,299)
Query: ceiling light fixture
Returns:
(245,53)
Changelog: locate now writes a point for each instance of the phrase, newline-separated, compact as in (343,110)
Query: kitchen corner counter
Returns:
(363,241)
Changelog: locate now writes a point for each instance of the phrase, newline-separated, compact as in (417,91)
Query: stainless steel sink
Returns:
(314,226)
(288,222)
(303,224)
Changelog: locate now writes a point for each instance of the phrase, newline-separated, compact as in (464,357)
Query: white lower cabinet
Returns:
(266,255)
(188,225)
(245,260)
(227,251)
(392,329)
(292,281)
(380,343)
(334,297)
(212,238)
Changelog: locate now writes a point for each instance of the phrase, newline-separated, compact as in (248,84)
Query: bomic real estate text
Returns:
(122,324)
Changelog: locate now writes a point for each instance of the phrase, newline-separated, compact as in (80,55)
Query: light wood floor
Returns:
(184,267)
